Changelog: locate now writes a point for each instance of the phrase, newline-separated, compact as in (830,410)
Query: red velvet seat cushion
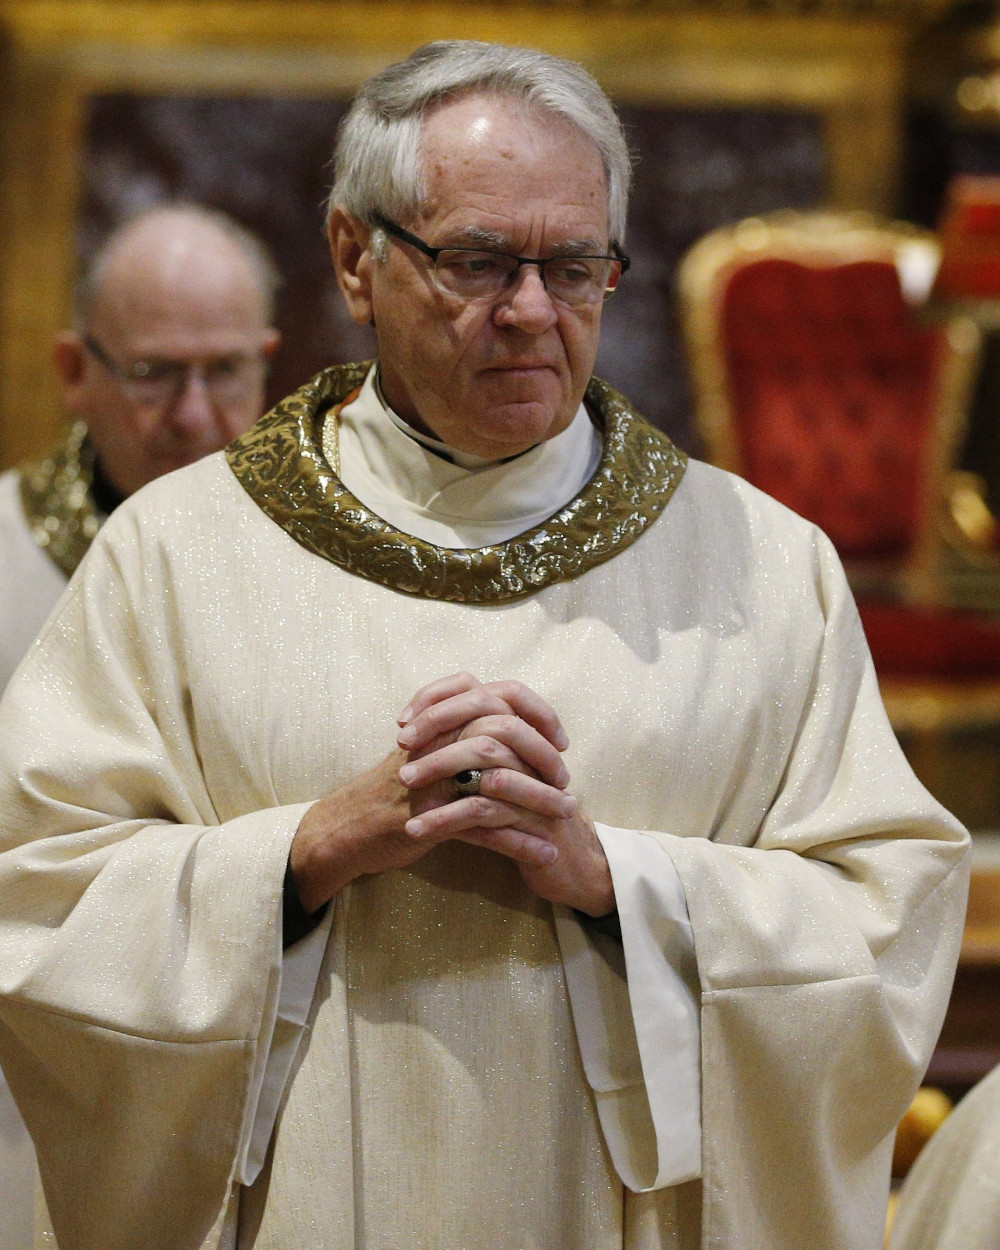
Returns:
(926,642)
(832,386)
(970,239)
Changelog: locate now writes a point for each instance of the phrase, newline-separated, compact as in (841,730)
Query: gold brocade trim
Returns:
(331,432)
(57,500)
(280,464)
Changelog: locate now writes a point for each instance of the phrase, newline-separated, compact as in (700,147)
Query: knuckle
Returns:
(480,807)
(489,748)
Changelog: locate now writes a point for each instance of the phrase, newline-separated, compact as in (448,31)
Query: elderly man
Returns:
(166,365)
(612,914)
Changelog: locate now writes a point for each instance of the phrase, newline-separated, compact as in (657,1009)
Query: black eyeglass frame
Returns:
(117,371)
(180,372)
(398,232)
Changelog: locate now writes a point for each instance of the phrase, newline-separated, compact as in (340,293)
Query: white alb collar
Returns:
(401,476)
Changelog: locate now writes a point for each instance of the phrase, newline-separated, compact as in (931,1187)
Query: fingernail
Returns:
(405,715)
(415,827)
(562,740)
(549,855)
(407,773)
(568,805)
(405,736)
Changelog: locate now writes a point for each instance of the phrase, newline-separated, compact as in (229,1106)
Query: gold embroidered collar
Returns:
(280,464)
(57,500)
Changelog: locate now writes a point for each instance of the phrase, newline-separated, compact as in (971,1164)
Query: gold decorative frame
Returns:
(57,53)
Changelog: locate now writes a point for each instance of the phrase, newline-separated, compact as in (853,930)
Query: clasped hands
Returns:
(398,810)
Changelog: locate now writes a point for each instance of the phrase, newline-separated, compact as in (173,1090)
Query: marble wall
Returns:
(266,161)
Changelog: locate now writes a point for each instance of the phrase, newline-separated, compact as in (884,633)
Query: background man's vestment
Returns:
(951,1198)
(475,1069)
(42,543)
(37,555)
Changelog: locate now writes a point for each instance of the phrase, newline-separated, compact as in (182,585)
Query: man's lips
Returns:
(520,366)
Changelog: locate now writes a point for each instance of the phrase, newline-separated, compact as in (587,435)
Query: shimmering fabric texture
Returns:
(951,1198)
(208,676)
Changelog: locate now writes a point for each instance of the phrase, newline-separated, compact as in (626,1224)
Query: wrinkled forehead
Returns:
(487,140)
(200,292)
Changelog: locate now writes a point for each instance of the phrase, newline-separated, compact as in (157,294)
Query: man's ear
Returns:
(70,358)
(351,247)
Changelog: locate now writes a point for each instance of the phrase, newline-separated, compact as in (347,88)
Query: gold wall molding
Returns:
(57,53)
(159,21)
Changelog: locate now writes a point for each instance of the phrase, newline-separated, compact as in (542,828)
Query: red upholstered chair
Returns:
(817,381)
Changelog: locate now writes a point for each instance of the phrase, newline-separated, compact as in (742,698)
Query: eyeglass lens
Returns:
(227,379)
(571,279)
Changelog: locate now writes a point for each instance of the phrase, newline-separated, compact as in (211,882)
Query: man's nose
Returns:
(527,303)
(192,407)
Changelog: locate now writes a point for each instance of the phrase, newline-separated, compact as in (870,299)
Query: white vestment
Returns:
(30,583)
(477,1069)
(951,1198)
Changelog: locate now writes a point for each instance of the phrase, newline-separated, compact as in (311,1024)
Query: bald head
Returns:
(173,327)
(169,236)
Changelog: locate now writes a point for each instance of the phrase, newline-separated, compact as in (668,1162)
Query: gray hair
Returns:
(252,248)
(378,168)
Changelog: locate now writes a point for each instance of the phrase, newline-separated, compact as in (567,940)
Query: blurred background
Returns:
(733,109)
(853,113)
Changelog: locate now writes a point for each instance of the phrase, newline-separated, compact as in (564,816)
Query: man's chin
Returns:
(514,427)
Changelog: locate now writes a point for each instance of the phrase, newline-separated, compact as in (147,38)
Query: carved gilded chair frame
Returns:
(58,53)
(921,708)
(820,238)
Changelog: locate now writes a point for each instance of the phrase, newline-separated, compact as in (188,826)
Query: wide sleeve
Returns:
(825,939)
(636,1006)
(140,935)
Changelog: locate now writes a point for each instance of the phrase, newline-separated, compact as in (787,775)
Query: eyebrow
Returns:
(477,236)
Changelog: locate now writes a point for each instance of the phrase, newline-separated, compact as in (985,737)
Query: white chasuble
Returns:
(476,1068)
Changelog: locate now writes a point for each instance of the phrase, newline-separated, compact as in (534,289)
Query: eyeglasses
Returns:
(158,381)
(470,273)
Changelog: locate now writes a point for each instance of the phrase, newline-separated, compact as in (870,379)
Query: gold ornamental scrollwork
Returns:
(57,500)
(281,465)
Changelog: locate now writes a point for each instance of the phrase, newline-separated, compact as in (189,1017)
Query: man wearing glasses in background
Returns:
(470,824)
(167,363)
